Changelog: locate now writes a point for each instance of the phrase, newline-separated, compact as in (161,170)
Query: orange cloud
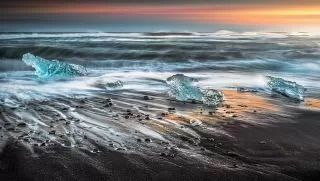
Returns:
(225,14)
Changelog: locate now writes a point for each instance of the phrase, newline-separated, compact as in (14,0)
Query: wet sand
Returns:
(142,136)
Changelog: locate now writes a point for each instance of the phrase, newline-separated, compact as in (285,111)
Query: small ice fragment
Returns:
(287,88)
(109,85)
(212,97)
(53,69)
(182,88)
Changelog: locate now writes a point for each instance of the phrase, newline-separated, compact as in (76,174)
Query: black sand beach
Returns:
(136,137)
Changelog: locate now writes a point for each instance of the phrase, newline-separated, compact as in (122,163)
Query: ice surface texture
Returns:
(182,88)
(287,88)
(53,69)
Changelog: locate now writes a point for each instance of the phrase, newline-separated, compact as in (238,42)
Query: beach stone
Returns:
(171,109)
(146,98)
(148,140)
(263,142)
(139,140)
(21,124)
(163,154)
(52,132)
(10,129)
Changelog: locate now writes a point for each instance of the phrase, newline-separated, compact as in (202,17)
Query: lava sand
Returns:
(142,136)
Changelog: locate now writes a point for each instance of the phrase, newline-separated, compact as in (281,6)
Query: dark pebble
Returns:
(126,117)
(171,109)
(52,132)
(139,140)
(146,98)
(22,124)
(163,154)
(10,129)
(147,140)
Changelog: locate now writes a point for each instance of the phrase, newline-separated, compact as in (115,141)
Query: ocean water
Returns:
(142,61)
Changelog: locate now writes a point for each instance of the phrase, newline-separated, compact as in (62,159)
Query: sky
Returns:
(159,15)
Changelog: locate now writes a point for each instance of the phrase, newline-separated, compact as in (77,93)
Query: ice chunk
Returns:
(182,88)
(212,97)
(287,88)
(54,69)
(109,85)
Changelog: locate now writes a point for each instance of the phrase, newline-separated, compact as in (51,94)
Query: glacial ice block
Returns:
(109,85)
(212,97)
(182,88)
(287,88)
(54,69)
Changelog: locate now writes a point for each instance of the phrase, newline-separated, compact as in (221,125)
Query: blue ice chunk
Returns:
(287,88)
(182,88)
(53,69)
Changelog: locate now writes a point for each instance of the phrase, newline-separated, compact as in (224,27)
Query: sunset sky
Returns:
(160,15)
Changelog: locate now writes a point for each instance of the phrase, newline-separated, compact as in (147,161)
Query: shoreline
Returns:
(131,136)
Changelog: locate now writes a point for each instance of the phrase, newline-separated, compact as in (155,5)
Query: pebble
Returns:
(163,154)
(52,132)
(22,124)
(171,109)
(263,142)
(146,98)
(148,140)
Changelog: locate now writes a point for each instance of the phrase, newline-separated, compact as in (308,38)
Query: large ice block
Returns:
(182,88)
(53,69)
(287,88)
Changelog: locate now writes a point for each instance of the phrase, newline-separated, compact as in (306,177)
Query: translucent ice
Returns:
(182,88)
(212,97)
(53,68)
(109,85)
(287,88)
